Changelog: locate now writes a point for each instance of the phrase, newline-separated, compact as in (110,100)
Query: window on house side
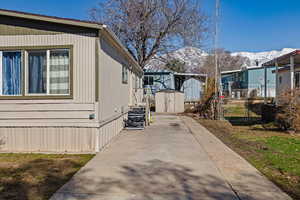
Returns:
(124,74)
(151,80)
(280,79)
(145,80)
(148,80)
(297,79)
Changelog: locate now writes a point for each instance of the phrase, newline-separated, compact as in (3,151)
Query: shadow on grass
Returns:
(35,179)
(244,121)
(255,122)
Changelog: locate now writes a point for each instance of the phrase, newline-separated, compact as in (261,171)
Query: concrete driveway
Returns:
(163,162)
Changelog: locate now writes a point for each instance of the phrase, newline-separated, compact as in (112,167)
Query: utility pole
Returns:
(218,112)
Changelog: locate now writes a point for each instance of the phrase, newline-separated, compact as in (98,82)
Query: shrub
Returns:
(288,114)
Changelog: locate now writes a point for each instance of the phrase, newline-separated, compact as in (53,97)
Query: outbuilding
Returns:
(190,84)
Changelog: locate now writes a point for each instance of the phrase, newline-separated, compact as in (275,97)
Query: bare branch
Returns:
(151,28)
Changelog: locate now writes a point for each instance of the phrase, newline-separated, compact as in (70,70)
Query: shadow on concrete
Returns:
(154,180)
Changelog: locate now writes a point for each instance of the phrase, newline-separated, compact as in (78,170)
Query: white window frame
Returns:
(48,51)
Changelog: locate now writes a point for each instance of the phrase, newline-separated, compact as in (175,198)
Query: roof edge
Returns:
(73,22)
(117,41)
(53,19)
(273,61)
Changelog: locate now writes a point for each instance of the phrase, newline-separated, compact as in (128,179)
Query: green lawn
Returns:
(276,154)
(36,176)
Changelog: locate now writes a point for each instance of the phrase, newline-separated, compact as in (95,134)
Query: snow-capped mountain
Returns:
(262,57)
(194,57)
(191,56)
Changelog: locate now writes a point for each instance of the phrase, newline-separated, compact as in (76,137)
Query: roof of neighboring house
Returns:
(284,59)
(167,71)
(254,67)
(285,68)
(190,74)
(244,68)
(231,71)
(151,72)
(74,22)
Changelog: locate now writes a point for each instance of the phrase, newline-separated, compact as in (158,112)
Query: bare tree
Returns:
(150,28)
(176,65)
(226,60)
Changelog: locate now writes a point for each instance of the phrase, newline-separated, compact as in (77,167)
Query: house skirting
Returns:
(60,139)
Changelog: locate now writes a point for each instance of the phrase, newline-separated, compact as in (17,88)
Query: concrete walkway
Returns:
(173,159)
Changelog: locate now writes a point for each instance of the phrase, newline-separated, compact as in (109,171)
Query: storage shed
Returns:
(169,101)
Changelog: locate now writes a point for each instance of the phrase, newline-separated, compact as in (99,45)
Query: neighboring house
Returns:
(65,85)
(190,84)
(249,81)
(287,72)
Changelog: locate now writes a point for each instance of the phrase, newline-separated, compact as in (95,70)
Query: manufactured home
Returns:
(287,71)
(243,83)
(65,85)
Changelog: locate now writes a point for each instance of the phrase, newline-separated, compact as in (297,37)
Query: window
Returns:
(136,83)
(280,79)
(124,74)
(10,73)
(148,80)
(46,72)
(139,79)
(37,72)
(297,79)
(59,72)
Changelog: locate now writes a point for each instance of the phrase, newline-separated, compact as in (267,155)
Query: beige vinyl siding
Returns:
(109,131)
(114,96)
(9,107)
(52,139)
(60,139)
(74,110)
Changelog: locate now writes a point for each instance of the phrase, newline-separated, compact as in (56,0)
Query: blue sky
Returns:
(246,25)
